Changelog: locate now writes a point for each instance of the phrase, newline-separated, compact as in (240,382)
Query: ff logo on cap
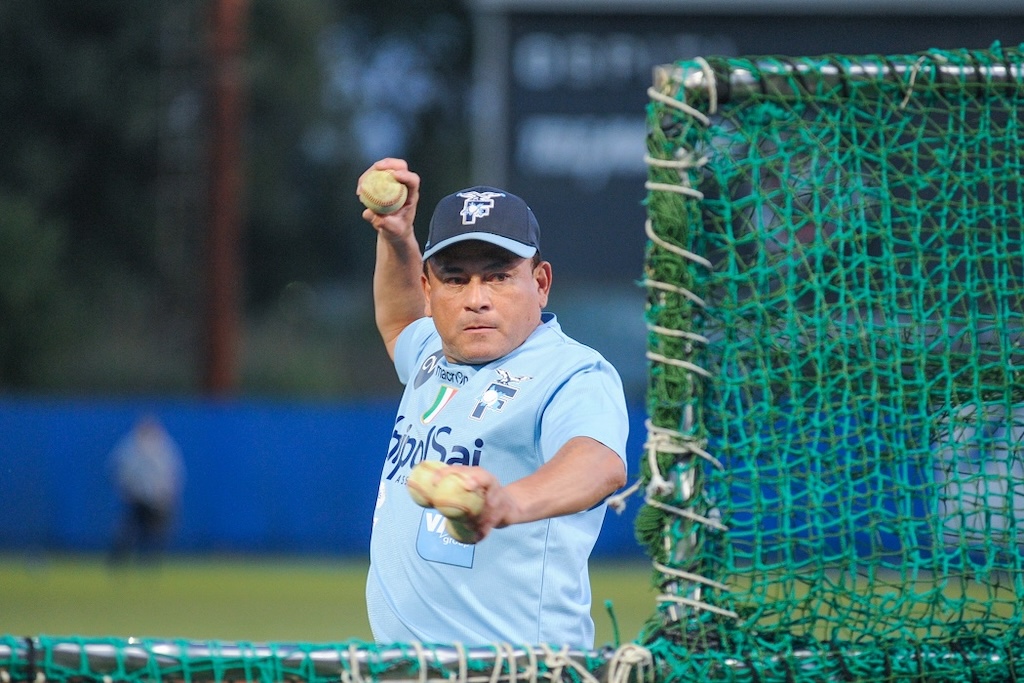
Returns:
(477,205)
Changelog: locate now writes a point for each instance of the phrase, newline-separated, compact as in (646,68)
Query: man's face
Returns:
(485,301)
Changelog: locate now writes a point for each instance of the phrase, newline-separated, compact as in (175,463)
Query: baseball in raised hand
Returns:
(390,193)
(381,193)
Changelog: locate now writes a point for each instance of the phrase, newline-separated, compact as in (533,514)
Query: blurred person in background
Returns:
(149,474)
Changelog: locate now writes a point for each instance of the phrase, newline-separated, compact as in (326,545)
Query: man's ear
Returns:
(542,276)
(425,281)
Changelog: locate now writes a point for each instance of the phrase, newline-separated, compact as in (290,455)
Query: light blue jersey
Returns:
(524,584)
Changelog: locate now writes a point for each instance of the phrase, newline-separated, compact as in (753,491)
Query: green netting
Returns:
(835,270)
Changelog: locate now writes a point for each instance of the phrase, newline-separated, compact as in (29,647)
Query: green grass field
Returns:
(253,599)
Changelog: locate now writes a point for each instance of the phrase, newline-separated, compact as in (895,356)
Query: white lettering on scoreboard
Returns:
(579,97)
(590,149)
(594,61)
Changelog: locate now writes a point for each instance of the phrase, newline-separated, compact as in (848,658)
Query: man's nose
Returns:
(477,294)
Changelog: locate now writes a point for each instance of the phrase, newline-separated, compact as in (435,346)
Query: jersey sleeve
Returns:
(589,403)
(410,345)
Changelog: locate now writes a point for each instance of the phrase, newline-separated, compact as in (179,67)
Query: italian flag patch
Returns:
(444,394)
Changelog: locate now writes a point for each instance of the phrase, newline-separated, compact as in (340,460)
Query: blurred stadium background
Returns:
(245,323)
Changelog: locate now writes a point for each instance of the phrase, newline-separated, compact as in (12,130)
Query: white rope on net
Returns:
(351,671)
(688,514)
(661,439)
(617,501)
(678,362)
(682,334)
(711,82)
(496,669)
(684,160)
(628,659)
(689,255)
(690,576)
(559,661)
(698,605)
(421,660)
(676,104)
(463,666)
(668,287)
(914,71)
(669,187)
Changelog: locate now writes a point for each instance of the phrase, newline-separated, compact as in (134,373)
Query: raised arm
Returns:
(398,297)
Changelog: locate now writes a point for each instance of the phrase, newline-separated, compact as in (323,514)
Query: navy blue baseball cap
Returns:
(487,214)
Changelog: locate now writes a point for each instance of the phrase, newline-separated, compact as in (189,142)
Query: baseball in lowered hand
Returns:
(452,494)
(455,498)
(381,193)
(421,482)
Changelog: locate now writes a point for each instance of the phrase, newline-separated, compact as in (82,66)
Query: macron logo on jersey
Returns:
(431,367)
(427,368)
(499,393)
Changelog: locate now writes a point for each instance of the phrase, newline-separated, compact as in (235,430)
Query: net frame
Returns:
(69,658)
(697,625)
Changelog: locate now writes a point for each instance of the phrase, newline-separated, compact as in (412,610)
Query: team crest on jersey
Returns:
(499,393)
(477,205)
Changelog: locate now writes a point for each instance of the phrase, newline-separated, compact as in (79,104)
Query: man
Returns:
(149,473)
(491,384)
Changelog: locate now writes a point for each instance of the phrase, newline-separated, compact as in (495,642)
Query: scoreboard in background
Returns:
(561,90)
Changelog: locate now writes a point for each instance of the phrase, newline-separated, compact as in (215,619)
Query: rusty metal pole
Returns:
(226,186)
